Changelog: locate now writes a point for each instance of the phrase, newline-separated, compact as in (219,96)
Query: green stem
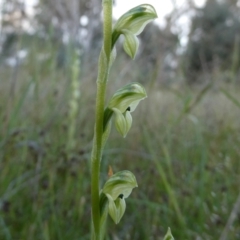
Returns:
(96,157)
(100,98)
(107,27)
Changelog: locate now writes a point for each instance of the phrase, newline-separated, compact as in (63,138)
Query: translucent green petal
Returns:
(120,122)
(128,120)
(127,95)
(121,183)
(116,208)
(130,43)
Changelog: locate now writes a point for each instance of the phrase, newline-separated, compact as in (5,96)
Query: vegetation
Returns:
(183,148)
(214,38)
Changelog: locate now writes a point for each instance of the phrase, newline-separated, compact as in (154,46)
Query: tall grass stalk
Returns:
(165,181)
(73,103)
(231,219)
(235,59)
(5,230)
(230,97)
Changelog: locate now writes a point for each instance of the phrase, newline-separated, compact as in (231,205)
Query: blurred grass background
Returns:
(183,148)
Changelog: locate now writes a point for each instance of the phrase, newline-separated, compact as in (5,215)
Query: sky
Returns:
(163,8)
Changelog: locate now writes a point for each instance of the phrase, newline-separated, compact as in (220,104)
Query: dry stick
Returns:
(231,219)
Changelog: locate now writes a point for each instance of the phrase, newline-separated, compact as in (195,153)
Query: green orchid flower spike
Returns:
(123,102)
(118,187)
(111,199)
(132,24)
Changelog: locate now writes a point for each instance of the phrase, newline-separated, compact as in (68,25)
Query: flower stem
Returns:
(104,60)
(107,27)
(96,158)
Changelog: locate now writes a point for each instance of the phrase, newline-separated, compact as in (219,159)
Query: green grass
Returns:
(183,148)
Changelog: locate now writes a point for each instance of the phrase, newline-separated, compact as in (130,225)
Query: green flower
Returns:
(123,102)
(118,187)
(132,24)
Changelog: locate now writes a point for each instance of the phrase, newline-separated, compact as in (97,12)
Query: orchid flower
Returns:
(117,188)
(132,24)
(123,102)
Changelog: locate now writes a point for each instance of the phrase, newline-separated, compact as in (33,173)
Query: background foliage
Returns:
(214,38)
